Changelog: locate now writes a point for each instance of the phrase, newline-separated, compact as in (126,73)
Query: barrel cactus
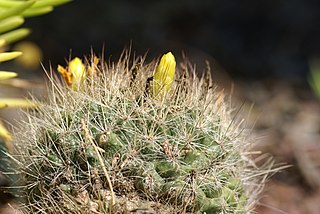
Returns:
(134,137)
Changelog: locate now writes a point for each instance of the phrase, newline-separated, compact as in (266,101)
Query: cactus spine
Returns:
(110,147)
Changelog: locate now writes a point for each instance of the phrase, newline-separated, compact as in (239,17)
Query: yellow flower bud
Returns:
(74,74)
(164,75)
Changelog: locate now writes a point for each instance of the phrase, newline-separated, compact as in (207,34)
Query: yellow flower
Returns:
(164,75)
(74,74)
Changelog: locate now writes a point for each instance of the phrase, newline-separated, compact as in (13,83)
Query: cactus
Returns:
(112,147)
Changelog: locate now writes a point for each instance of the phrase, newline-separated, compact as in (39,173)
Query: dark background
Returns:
(250,39)
(264,45)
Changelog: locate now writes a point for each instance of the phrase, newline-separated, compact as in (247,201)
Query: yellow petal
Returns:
(164,75)
(77,70)
(65,74)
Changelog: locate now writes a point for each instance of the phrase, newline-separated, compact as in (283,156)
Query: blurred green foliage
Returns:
(314,78)
(12,16)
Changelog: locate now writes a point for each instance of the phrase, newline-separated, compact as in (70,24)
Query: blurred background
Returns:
(251,39)
(263,48)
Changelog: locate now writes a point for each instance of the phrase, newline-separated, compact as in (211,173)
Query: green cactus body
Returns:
(182,152)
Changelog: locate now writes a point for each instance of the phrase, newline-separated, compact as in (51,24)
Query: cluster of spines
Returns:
(177,151)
